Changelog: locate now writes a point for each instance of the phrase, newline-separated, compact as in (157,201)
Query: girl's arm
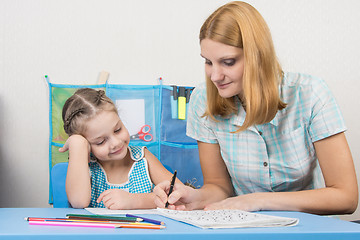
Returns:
(157,171)
(78,186)
(340,195)
(217,184)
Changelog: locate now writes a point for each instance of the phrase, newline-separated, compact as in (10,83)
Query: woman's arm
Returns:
(217,184)
(340,195)
(78,186)
(341,192)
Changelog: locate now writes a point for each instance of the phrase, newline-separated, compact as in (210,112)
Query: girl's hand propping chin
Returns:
(116,199)
(181,198)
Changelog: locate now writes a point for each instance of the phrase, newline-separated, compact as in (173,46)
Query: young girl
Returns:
(104,171)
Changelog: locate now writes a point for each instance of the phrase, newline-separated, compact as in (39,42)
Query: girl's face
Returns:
(224,66)
(107,135)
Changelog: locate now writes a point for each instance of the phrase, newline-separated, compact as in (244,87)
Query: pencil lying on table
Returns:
(147,219)
(103,218)
(82,220)
(72,224)
(57,222)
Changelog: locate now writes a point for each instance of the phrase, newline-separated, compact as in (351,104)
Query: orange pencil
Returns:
(72,224)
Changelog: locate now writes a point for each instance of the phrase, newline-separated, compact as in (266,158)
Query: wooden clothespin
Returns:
(103,77)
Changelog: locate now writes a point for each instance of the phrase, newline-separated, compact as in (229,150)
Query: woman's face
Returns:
(224,66)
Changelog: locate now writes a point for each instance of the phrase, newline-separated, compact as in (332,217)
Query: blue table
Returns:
(13,226)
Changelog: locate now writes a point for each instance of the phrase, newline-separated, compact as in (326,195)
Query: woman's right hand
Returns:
(182,198)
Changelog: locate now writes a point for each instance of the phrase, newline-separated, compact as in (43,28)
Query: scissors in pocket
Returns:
(143,134)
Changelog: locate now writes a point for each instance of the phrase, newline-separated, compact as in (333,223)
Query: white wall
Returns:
(137,42)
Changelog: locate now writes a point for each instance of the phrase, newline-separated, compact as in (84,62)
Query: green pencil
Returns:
(103,218)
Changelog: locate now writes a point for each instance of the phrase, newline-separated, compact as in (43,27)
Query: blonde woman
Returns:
(268,140)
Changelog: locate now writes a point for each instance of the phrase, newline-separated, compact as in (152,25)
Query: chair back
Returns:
(58,178)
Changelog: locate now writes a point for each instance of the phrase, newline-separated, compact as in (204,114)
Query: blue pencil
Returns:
(147,219)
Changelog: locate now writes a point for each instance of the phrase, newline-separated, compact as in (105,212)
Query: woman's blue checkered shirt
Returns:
(279,155)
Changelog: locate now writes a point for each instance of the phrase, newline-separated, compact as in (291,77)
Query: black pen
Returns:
(171,187)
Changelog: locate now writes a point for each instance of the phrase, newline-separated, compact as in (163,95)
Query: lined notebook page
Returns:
(227,218)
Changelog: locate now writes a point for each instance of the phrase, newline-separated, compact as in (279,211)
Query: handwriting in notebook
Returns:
(227,218)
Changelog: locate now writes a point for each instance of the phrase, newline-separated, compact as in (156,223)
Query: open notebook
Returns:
(211,218)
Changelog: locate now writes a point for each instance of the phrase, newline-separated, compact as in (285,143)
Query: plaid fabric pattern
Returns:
(138,178)
(279,155)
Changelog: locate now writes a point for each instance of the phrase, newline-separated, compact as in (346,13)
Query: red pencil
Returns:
(72,224)
(42,219)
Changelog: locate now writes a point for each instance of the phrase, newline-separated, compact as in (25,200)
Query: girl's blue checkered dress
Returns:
(138,178)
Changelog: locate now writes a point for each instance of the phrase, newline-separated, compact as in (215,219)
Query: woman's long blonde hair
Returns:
(238,24)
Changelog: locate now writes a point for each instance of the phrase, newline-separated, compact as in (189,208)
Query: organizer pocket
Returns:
(185,160)
(137,106)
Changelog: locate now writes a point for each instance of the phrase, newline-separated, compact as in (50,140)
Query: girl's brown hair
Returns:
(83,105)
(238,24)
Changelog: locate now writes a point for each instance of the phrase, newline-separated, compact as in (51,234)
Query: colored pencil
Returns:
(147,219)
(79,220)
(72,224)
(103,218)
(95,225)
(141,226)
(42,219)
(106,222)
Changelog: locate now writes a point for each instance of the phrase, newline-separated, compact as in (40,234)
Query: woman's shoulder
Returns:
(303,85)
(299,89)
(292,79)
(198,95)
